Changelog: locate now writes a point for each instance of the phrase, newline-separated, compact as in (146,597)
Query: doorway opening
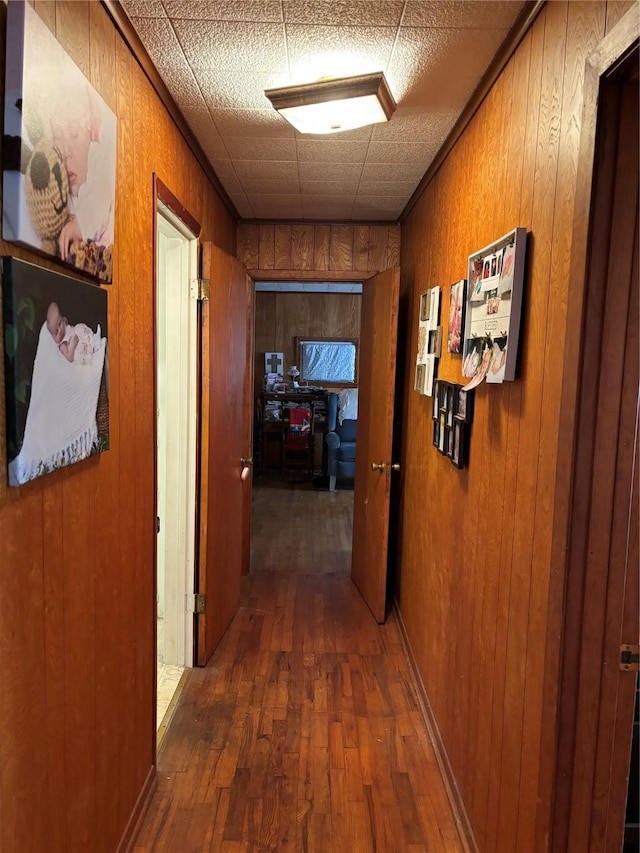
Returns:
(176,413)
(298,524)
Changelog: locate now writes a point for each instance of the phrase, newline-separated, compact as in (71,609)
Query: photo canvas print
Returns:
(56,370)
(59,169)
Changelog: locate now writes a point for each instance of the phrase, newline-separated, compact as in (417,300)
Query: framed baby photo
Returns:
(56,371)
(455,328)
(59,168)
(459,445)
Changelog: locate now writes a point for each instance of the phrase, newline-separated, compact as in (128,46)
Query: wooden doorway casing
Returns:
(596,582)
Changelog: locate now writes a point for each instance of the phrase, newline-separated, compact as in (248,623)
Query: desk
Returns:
(272,426)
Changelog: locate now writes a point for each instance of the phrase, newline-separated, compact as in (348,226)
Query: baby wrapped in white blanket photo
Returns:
(61,422)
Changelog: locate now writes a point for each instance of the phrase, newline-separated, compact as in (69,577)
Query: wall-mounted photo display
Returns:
(429,341)
(56,389)
(455,328)
(493,309)
(452,414)
(59,165)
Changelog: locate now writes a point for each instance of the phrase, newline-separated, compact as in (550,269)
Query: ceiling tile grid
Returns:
(217,57)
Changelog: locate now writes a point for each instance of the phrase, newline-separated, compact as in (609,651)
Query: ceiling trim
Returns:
(522,25)
(290,221)
(133,42)
(311,275)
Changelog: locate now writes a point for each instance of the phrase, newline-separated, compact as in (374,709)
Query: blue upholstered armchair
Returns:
(341,441)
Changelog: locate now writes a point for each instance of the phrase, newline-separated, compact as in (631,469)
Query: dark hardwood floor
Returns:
(304,732)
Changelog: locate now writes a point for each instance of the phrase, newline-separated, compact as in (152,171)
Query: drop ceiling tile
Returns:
(393,171)
(332,151)
(345,200)
(412,125)
(200,121)
(382,202)
(225,10)
(144,8)
(361,13)
(227,175)
(338,171)
(431,91)
(330,187)
(401,152)
(238,91)
(264,123)
(387,188)
(318,51)
(442,55)
(242,205)
(272,198)
(285,171)
(233,45)
(463,13)
(242,148)
(159,40)
(277,211)
(269,186)
(327,212)
(374,214)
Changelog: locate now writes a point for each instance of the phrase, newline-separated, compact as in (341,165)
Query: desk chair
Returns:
(298,447)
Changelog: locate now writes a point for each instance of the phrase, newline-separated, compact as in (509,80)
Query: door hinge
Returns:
(204,289)
(200,603)
(157,524)
(629,658)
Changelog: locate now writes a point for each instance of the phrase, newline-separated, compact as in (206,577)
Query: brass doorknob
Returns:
(248,461)
(395,466)
(377,466)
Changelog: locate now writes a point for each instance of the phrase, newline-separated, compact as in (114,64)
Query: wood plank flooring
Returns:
(303,733)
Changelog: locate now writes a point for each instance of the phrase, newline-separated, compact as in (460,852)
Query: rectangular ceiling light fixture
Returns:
(333,105)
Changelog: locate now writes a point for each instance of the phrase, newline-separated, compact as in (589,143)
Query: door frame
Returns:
(166,205)
(560,667)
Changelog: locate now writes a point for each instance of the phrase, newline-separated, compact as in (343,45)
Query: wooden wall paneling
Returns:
(302,246)
(616,9)
(521,116)
(145,426)
(553,81)
(127,333)
(341,247)
(584,27)
(46,9)
(267,247)
(322,239)
(489,533)
(106,532)
(532,376)
(393,247)
(72,31)
(361,247)
(23,700)
(249,245)
(78,521)
(282,250)
(378,241)
(483,471)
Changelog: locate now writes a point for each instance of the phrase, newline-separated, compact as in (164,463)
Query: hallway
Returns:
(303,733)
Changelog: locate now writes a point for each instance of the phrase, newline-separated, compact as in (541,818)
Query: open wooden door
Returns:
(248,427)
(377,361)
(226,323)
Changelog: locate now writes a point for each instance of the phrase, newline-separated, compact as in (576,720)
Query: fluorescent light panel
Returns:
(332,106)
